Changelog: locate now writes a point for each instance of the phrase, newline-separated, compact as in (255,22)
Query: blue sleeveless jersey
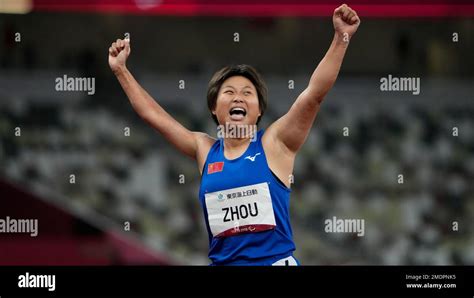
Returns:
(235,180)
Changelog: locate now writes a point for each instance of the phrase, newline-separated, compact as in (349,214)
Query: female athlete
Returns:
(245,185)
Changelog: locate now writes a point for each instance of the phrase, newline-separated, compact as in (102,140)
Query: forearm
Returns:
(140,100)
(150,111)
(325,75)
(293,128)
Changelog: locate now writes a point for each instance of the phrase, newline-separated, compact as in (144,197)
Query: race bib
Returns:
(240,210)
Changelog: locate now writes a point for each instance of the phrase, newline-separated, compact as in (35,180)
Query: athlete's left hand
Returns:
(345,21)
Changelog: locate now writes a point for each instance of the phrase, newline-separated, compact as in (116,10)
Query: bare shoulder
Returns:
(280,159)
(272,145)
(203,139)
(204,143)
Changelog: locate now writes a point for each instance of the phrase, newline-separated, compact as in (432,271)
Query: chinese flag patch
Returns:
(215,167)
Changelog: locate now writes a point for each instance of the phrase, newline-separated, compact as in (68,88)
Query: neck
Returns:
(234,143)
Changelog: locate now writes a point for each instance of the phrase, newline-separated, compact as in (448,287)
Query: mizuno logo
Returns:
(252,158)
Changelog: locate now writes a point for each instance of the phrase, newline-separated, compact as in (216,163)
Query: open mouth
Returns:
(237,113)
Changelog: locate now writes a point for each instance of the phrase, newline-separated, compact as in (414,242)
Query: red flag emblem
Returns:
(215,167)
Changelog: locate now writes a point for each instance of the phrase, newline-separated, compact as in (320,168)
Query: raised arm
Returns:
(292,129)
(148,109)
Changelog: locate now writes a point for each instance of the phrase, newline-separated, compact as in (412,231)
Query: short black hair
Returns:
(244,70)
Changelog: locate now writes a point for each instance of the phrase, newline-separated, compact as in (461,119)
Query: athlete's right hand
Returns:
(118,54)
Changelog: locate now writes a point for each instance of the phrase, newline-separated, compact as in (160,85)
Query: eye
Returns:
(247,93)
(228,92)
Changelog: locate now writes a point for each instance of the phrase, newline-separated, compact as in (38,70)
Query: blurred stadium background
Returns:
(136,178)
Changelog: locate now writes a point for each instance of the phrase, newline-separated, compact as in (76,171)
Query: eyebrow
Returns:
(228,86)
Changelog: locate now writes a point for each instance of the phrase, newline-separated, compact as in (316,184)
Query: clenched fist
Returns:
(345,21)
(118,54)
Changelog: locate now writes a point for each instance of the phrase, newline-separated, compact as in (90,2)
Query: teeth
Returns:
(238,109)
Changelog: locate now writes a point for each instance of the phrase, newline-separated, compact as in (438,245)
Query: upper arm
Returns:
(186,141)
(150,111)
(204,144)
(292,129)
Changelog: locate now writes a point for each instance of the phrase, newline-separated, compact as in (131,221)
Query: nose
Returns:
(237,99)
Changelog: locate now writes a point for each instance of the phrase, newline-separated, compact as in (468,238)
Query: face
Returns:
(237,102)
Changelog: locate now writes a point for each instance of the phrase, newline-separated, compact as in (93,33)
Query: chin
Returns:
(238,122)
